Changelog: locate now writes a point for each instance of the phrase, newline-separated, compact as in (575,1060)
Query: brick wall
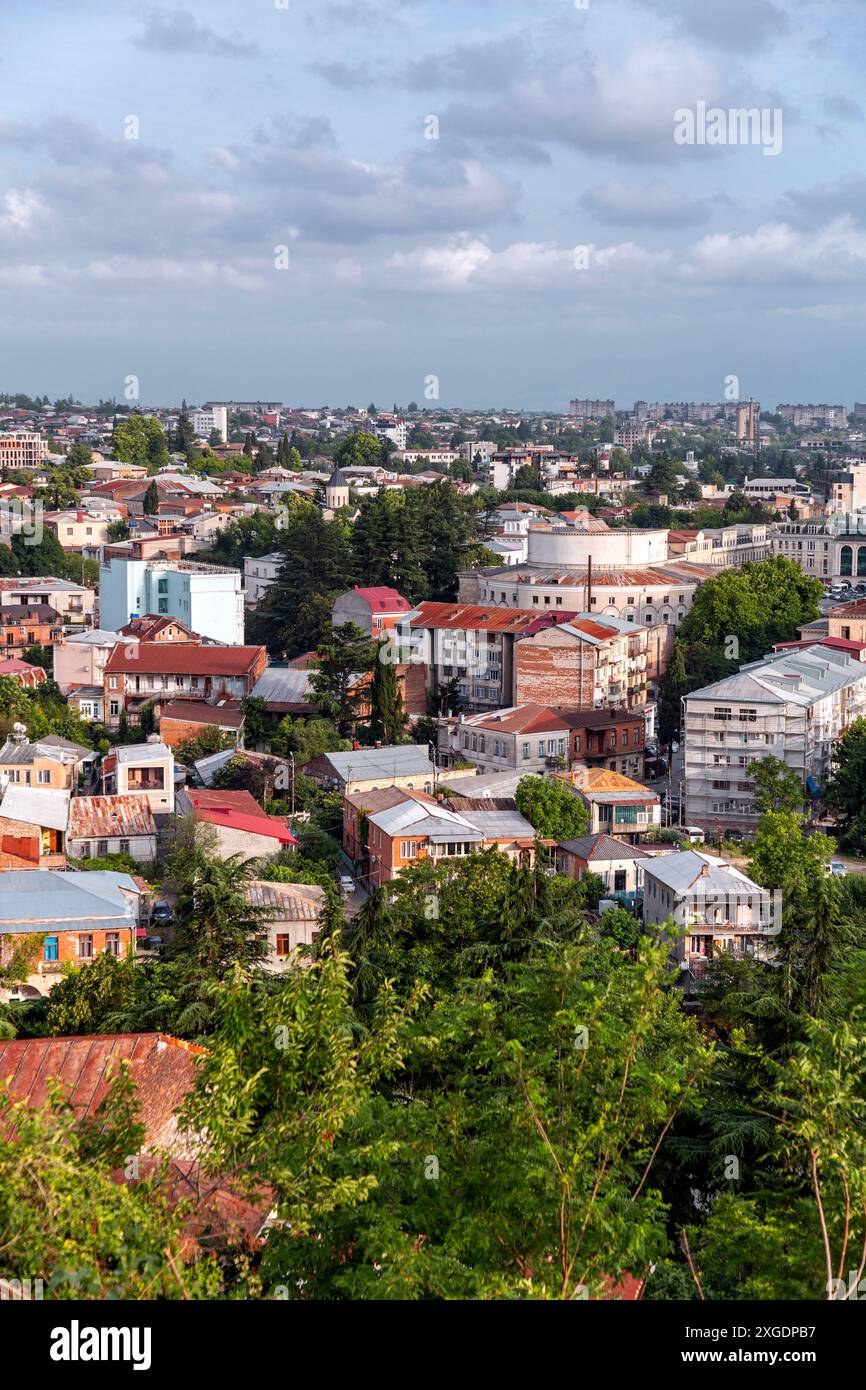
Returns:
(549,670)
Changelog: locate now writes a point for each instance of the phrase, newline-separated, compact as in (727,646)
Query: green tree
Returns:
(846,790)
(345,655)
(552,808)
(151,500)
(140,439)
(388,720)
(777,786)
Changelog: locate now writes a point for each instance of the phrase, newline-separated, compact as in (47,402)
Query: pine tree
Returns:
(151,500)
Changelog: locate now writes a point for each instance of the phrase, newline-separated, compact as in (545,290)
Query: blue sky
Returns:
(260,127)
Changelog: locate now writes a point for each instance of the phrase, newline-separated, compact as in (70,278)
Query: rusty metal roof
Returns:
(182,658)
(105,817)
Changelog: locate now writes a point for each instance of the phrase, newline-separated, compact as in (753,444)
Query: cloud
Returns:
(654,204)
(178,31)
(846,196)
(729,26)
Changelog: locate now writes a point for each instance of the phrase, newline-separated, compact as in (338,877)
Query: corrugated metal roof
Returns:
(182,658)
(102,817)
(701,872)
(47,807)
(54,900)
(299,902)
(365,764)
(602,847)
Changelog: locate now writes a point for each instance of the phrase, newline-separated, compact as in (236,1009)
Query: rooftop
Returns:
(366,764)
(182,658)
(104,817)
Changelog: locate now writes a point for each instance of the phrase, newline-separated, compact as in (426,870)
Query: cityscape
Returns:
(433,834)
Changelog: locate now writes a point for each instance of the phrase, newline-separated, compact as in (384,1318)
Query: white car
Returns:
(347,884)
(837,868)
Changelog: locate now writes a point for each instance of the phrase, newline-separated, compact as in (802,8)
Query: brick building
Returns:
(165,672)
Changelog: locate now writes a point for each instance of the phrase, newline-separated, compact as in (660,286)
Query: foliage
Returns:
(552,808)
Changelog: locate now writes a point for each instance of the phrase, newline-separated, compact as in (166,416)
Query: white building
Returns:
(144,770)
(260,572)
(207,598)
(790,705)
(714,904)
(204,422)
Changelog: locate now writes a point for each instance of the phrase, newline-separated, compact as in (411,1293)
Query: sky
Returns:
(337,201)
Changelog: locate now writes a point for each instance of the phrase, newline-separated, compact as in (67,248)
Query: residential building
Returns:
(295,913)
(185,719)
(73,602)
(725,545)
(101,825)
(152,628)
(501,657)
(831,549)
(618,864)
(791,705)
(714,903)
(216,417)
(404,765)
(75,915)
(375,611)
(142,770)
(44,812)
(21,449)
(238,823)
(24,625)
(22,672)
(80,658)
(617,805)
(808,417)
(158,673)
(208,598)
(387,830)
(50,762)
(78,530)
(591,409)
(260,572)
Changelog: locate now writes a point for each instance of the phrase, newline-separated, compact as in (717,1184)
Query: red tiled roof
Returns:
(185,658)
(197,712)
(526,719)
(472,616)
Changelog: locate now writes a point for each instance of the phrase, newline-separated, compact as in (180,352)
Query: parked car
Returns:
(149,945)
(161,911)
(837,868)
(347,884)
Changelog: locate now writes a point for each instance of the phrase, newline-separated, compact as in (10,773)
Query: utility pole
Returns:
(292,766)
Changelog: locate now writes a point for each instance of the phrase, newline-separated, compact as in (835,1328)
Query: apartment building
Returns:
(80,658)
(22,450)
(791,705)
(161,672)
(50,762)
(808,417)
(723,545)
(207,598)
(502,657)
(387,830)
(79,530)
(24,625)
(216,417)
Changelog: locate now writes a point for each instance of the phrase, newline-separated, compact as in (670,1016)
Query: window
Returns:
(409,849)
(51,948)
(85,946)
(722,713)
(846,564)
(619,880)
(541,748)
(577,743)
(124,847)
(114,707)
(112,943)
(101,848)
(526,750)
(284,945)
(43,777)
(748,716)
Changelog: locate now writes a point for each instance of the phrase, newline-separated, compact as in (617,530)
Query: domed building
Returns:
(337,490)
(576,562)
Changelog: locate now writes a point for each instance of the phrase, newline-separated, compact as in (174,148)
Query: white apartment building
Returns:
(789,705)
(207,598)
(216,417)
(22,450)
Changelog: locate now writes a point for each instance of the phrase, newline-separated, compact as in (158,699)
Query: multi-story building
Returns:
(535,738)
(807,417)
(208,598)
(260,572)
(591,410)
(73,602)
(617,804)
(617,863)
(143,771)
(834,549)
(155,673)
(387,830)
(791,705)
(22,450)
(50,762)
(79,530)
(79,658)
(24,625)
(501,657)
(216,417)
(748,422)
(723,545)
(75,916)
(714,904)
